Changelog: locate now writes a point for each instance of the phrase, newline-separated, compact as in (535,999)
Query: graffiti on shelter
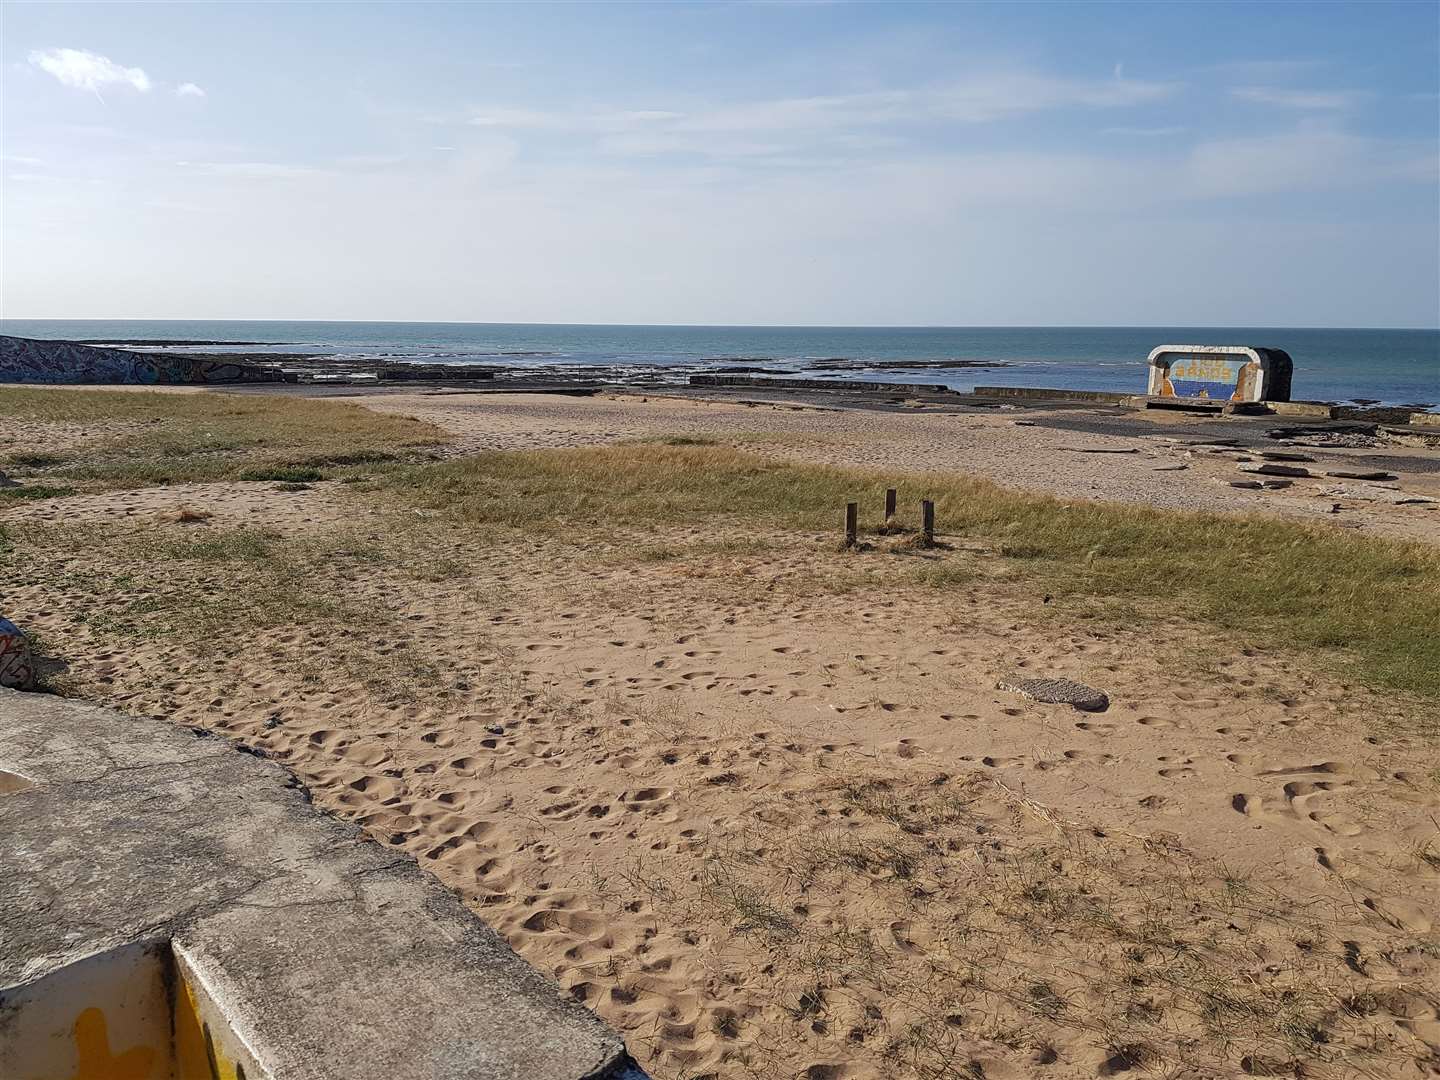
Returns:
(1227,373)
(1209,377)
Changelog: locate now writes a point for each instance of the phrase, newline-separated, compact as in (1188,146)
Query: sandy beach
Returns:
(760,804)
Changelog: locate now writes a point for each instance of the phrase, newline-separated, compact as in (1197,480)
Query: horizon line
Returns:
(720,326)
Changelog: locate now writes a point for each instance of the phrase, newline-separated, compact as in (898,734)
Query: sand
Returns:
(767,829)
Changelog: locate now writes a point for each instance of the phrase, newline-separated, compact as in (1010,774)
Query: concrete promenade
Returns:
(172,907)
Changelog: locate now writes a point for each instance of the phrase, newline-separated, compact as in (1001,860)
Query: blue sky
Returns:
(1169,164)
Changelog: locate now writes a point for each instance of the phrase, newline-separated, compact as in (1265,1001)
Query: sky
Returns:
(1209,164)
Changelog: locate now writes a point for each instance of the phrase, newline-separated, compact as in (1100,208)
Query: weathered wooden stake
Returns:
(889,505)
(852,523)
(927,522)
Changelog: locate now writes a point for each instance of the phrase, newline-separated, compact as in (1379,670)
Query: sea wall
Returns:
(817,384)
(35,360)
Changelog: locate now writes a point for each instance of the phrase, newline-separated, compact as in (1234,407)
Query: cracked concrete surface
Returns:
(330,957)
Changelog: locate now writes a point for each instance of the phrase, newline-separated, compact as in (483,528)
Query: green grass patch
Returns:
(169,438)
(678,440)
(1370,604)
(25,460)
(290,474)
(34,491)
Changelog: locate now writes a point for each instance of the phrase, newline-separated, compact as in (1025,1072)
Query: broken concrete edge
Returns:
(1045,393)
(328,956)
(1317,409)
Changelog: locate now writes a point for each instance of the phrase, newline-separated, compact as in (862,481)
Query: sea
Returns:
(1389,367)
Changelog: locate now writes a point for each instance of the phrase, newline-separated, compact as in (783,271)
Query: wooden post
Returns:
(927,522)
(852,523)
(889,506)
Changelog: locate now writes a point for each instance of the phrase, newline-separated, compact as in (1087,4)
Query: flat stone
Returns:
(1056,692)
(1251,485)
(1278,470)
(1346,474)
(1276,485)
(1101,449)
(1284,455)
(17,665)
(1375,493)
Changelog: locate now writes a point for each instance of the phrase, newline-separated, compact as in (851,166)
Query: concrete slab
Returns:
(318,953)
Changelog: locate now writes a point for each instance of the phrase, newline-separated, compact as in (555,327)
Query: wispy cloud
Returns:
(1144,132)
(189,89)
(84,70)
(780,125)
(1298,99)
(251,170)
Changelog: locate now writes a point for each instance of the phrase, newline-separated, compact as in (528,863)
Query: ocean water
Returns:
(1394,367)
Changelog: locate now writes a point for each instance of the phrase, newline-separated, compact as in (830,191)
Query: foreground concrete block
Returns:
(1317,409)
(167,900)
(1232,373)
(1046,393)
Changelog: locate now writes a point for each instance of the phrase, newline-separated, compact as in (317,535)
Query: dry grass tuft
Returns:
(166,438)
(973,916)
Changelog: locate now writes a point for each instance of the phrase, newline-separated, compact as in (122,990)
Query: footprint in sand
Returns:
(1401,912)
(1326,768)
(905,749)
(1155,722)
(1176,768)
(1089,757)
(1096,729)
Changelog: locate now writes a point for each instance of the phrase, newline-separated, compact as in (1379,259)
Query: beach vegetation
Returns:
(1368,605)
(118,439)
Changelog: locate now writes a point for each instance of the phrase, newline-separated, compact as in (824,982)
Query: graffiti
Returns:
(96,1062)
(134,1013)
(196,1056)
(31,360)
(17,667)
(1209,377)
(1220,373)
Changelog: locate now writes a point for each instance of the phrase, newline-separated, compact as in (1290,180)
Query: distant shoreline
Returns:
(1390,367)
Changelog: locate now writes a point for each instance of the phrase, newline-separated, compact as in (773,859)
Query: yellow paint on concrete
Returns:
(92,1044)
(196,1055)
